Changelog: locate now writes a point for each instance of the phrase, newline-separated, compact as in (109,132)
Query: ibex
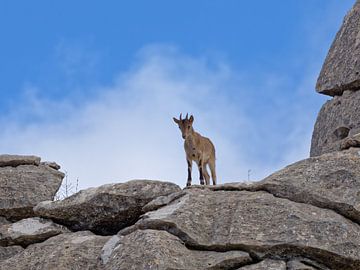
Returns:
(197,148)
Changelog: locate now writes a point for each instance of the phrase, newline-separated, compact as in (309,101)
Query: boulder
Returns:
(8,252)
(298,265)
(329,181)
(29,231)
(17,160)
(266,264)
(24,183)
(4,221)
(151,249)
(105,209)
(257,223)
(338,122)
(341,70)
(80,250)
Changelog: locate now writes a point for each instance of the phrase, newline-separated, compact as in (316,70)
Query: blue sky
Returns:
(94,85)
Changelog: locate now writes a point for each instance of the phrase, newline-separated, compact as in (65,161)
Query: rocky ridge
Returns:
(305,216)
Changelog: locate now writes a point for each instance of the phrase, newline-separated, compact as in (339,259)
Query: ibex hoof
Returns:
(202,183)
(188,184)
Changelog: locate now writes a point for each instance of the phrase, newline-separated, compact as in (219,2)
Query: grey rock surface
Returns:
(266,264)
(337,121)
(24,186)
(8,252)
(16,160)
(329,181)
(4,221)
(259,223)
(29,231)
(341,70)
(152,249)
(298,265)
(105,209)
(76,251)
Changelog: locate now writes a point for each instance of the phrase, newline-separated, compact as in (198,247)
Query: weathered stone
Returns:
(105,209)
(162,201)
(29,231)
(8,252)
(337,122)
(16,160)
(266,265)
(341,70)
(53,165)
(329,181)
(150,249)
(24,186)
(77,251)
(258,223)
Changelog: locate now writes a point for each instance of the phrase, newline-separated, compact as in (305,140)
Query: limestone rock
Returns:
(29,231)
(105,209)
(258,223)
(24,186)
(77,251)
(151,249)
(341,70)
(16,160)
(266,264)
(8,252)
(330,181)
(337,121)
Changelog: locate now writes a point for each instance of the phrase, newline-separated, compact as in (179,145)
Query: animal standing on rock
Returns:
(197,148)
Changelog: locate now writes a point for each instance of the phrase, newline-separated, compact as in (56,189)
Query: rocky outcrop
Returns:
(29,231)
(341,70)
(330,181)
(338,125)
(106,209)
(257,223)
(154,249)
(24,183)
(80,250)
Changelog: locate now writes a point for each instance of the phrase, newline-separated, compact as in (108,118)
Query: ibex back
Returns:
(199,149)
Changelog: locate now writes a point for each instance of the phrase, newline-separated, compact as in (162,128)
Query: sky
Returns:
(93,85)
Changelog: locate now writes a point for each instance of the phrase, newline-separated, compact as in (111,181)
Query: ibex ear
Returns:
(191,119)
(175,120)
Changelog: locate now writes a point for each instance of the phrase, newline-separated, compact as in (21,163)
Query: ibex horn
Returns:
(187,116)
(180,116)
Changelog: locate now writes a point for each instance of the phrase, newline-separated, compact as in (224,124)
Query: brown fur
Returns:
(199,149)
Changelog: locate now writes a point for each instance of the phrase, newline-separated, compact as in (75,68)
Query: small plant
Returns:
(67,188)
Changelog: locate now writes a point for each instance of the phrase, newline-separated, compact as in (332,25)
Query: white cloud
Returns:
(127,131)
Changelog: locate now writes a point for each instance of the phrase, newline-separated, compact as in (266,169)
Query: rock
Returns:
(298,265)
(329,181)
(16,160)
(105,209)
(338,121)
(341,70)
(162,201)
(24,186)
(53,165)
(8,252)
(160,250)
(29,231)
(258,223)
(266,265)
(80,250)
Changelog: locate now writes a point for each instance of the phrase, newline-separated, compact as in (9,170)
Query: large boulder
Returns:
(337,123)
(105,209)
(329,181)
(80,250)
(29,231)
(152,249)
(258,223)
(341,70)
(24,183)
(266,264)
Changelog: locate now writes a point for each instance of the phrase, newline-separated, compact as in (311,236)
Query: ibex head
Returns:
(185,125)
